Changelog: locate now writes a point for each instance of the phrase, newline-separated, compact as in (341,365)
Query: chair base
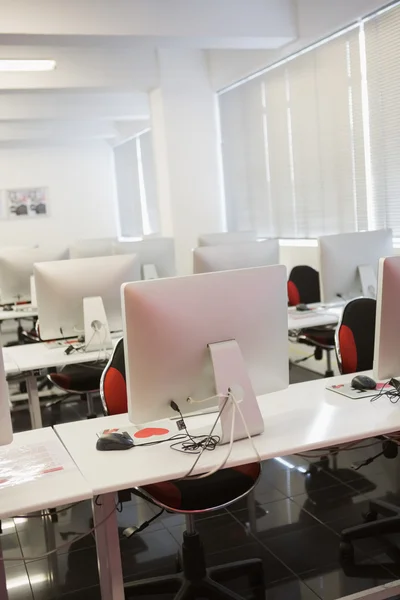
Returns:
(372,527)
(198,582)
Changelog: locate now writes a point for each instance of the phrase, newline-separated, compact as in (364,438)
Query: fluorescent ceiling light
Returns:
(13,65)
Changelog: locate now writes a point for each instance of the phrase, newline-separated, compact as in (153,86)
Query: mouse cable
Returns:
(390,393)
(29,559)
(198,442)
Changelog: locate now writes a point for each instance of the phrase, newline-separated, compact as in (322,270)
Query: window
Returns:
(136,187)
(310,146)
(382,56)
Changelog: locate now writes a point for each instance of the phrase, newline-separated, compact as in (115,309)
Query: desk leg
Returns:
(3,583)
(34,402)
(108,550)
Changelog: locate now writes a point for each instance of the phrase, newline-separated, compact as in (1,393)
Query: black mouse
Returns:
(363,382)
(115,441)
(302,307)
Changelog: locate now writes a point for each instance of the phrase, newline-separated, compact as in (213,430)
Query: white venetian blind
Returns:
(150,185)
(382,56)
(327,137)
(136,187)
(128,189)
(243,152)
(293,151)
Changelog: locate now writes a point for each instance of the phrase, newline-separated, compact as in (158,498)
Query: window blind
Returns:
(136,187)
(150,185)
(128,189)
(293,145)
(327,138)
(382,62)
(243,154)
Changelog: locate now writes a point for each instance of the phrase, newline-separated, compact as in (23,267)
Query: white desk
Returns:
(10,366)
(17,314)
(303,417)
(31,359)
(54,489)
(317,317)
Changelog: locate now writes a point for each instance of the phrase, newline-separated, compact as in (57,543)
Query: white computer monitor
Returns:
(230,237)
(91,248)
(170,326)
(16,269)
(156,256)
(341,257)
(387,325)
(6,432)
(62,290)
(235,256)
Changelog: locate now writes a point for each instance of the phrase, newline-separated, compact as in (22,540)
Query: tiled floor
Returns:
(293,527)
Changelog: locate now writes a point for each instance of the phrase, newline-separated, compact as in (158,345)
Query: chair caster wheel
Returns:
(370,516)
(91,417)
(346,552)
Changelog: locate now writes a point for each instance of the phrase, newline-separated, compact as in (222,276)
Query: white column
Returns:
(186,151)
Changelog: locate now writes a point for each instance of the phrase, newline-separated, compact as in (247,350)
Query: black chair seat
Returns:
(220,489)
(318,335)
(79,379)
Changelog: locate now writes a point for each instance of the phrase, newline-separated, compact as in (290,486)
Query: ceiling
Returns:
(107,56)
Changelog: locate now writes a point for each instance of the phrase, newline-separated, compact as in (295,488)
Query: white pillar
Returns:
(186,151)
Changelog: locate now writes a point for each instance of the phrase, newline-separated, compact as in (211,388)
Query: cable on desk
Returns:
(28,559)
(393,392)
(235,408)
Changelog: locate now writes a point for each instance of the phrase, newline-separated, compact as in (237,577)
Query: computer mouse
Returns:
(363,382)
(302,307)
(115,441)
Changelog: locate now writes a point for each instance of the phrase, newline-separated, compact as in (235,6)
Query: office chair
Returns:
(188,497)
(355,352)
(355,336)
(303,288)
(81,380)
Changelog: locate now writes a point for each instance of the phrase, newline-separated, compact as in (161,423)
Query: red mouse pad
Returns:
(149,432)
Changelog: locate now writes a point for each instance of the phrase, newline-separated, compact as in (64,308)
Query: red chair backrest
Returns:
(113,383)
(303,286)
(356,336)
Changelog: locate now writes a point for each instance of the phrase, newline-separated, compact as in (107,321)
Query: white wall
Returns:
(80,180)
(185,142)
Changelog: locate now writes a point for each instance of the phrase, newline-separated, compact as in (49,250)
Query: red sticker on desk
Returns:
(150,432)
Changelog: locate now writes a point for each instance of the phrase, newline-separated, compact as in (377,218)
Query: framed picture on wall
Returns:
(27,203)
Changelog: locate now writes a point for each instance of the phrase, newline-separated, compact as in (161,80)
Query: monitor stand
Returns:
(97,332)
(230,373)
(149,272)
(368,281)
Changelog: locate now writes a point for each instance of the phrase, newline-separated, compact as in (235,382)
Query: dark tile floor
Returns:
(291,523)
